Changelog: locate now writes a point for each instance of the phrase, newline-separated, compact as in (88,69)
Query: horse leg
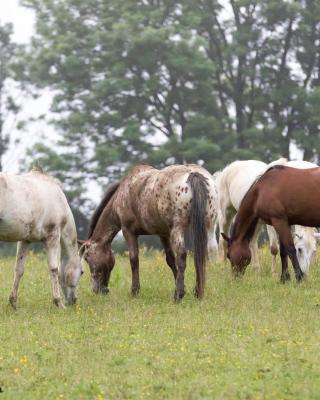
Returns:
(180,256)
(134,259)
(274,248)
(212,242)
(254,248)
(169,255)
(224,221)
(285,237)
(53,255)
(22,251)
(285,276)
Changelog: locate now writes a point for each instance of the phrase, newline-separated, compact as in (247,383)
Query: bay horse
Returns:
(33,208)
(150,201)
(233,182)
(281,197)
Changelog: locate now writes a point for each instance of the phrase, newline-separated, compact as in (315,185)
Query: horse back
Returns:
(151,201)
(294,194)
(31,206)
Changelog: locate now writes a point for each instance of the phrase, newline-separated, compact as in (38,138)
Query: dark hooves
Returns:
(300,276)
(285,278)
(178,296)
(13,303)
(197,294)
(135,291)
(105,290)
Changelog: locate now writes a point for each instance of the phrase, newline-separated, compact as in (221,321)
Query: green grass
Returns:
(248,339)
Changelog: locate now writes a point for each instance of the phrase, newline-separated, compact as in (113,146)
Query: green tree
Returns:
(167,81)
(9,106)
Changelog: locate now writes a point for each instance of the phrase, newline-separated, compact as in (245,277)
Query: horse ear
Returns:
(225,237)
(80,243)
(82,247)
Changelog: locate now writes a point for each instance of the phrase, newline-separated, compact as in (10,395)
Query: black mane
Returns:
(111,189)
(277,166)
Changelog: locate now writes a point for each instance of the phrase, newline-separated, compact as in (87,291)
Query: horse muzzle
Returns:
(71,301)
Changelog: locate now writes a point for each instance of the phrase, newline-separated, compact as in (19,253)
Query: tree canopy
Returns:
(10,81)
(165,81)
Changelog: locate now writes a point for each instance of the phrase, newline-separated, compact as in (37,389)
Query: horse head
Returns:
(100,259)
(238,253)
(305,242)
(69,277)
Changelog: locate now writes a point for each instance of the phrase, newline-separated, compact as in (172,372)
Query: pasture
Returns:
(247,339)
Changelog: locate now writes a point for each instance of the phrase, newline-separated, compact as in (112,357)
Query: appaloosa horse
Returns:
(150,201)
(281,197)
(33,208)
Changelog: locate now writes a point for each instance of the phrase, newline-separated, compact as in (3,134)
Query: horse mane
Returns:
(37,169)
(111,189)
(277,166)
(273,167)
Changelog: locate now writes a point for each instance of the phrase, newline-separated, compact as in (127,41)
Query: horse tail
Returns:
(198,185)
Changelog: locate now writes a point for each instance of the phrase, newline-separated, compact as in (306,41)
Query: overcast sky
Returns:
(23,24)
(21,17)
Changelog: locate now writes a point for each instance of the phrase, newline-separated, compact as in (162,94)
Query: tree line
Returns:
(163,81)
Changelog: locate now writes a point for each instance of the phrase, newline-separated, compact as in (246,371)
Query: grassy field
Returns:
(249,339)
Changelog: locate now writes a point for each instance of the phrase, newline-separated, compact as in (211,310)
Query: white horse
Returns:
(33,208)
(233,183)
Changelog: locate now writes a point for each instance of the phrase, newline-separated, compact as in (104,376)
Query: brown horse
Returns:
(281,197)
(150,201)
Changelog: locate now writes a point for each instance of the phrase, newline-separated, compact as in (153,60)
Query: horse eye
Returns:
(299,250)
(82,272)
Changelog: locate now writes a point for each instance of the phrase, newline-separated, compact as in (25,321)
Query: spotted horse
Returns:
(149,201)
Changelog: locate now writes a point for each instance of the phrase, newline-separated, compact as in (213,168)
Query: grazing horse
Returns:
(33,208)
(281,197)
(233,182)
(151,201)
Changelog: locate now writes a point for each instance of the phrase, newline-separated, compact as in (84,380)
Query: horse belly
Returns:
(306,217)
(12,231)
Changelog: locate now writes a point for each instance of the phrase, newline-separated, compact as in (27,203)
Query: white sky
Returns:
(23,20)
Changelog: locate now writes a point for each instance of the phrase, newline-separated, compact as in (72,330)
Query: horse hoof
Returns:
(285,277)
(178,296)
(135,291)
(300,276)
(197,294)
(58,303)
(13,302)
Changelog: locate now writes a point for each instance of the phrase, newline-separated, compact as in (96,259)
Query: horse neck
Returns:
(69,246)
(245,222)
(108,224)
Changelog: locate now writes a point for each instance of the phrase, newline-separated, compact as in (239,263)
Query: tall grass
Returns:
(247,339)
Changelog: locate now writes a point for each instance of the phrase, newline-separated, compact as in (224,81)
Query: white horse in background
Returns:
(233,182)
(33,208)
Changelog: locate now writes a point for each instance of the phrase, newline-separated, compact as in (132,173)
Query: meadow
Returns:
(247,339)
